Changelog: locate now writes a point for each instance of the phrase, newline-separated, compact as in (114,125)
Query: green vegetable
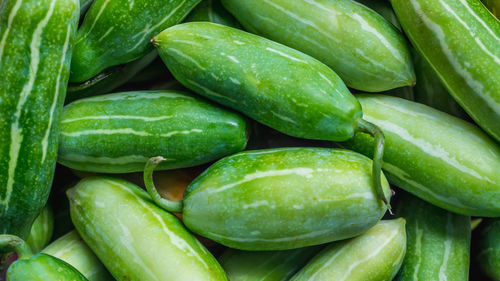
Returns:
(367,51)
(438,242)
(118,133)
(73,250)
(135,239)
(118,32)
(383,8)
(212,11)
(375,255)
(241,201)
(40,267)
(259,78)
(36,39)
(441,159)
(489,249)
(459,39)
(265,266)
(41,230)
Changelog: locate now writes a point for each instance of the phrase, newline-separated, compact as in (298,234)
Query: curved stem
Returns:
(19,245)
(378,154)
(169,205)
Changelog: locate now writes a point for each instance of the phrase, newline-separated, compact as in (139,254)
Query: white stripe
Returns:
(181,54)
(486,26)
(312,234)
(209,92)
(128,131)
(418,249)
(45,141)
(106,34)
(121,160)
(116,117)
(447,247)
(285,55)
(12,15)
(106,2)
(16,131)
(133,96)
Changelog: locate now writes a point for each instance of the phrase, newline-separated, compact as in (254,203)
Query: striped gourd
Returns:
(41,230)
(441,159)
(212,11)
(36,38)
(118,31)
(438,242)
(363,48)
(461,41)
(118,133)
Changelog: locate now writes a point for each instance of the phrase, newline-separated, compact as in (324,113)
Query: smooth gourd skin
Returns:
(438,242)
(441,159)
(36,38)
(41,230)
(288,198)
(118,133)
(142,242)
(383,8)
(375,255)
(42,267)
(212,11)
(73,250)
(260,78)
(118,31)
(460,39)
(489,249)
(364,49)
(265,265)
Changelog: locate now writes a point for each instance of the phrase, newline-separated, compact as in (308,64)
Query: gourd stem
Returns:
(378,154)
(169,205)
(19,245)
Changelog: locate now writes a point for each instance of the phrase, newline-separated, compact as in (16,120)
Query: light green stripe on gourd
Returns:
(118,133)
(241,201)
(41,230)
(441,159)
(375,255)
(493,6)
(363,48)
(212,11)
(36,39)
(73,250)
(384,8)
(115,32)
(260,78)
(460,39)
(265,266)
(438,242)
(135,239)
(489,249)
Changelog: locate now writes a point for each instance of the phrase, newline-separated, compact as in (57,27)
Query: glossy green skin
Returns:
(265,266)
(363,48)
(73,250)
(212,11)
(36,39)
(258,77)
(118,133)
(41,230)
(375,255)
(441,159)
(430,91)
(143,242)
(384,8)
(42,267)
(493,6)
(119,31)
(278,199)
(438,242)
(489,249)
(108,80)
(459,39)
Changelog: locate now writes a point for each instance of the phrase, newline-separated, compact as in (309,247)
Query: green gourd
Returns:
(212,11)
(489,249)
(41,230)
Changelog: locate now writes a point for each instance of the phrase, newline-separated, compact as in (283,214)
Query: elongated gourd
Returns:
(438,242)
(36,39)
(265,265)
(212,11)
(443,160)
(39,267)
(363,48)
(143,242)
(241,201)
(118,133)
(459,39)
(259,78)
(375,255)
(118,31)
(41,230)
(73,250)
(489,249)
